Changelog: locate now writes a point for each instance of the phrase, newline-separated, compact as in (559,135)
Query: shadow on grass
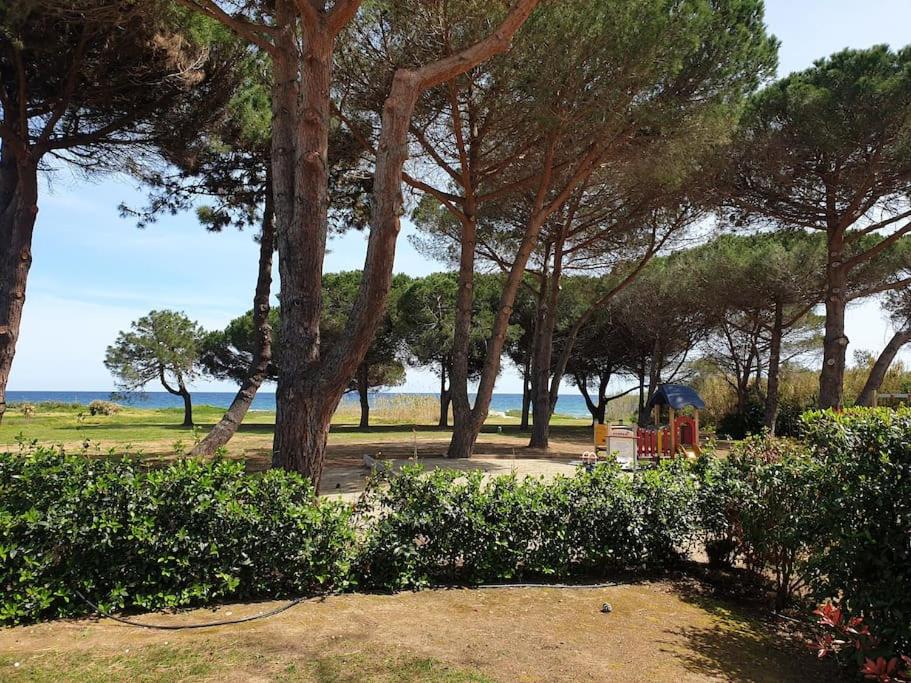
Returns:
(743,644)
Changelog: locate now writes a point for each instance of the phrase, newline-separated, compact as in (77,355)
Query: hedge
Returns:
(831,515)
(194,532)
(452,527)
(864,516)
(189,533)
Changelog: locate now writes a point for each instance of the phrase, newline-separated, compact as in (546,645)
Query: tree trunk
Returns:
(300,140)
(443,422)
(526,394)
(222,432)
(603,383)
(641,412)
(881,367)
(771,399)
(363,391)
(311,384)
(187,407)
(835,343)
(545,394)
(540,368)
(582,384)
(467,420)
(307,434)
(462,441)
(18,211)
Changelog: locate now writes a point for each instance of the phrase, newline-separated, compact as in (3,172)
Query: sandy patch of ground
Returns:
(656,632)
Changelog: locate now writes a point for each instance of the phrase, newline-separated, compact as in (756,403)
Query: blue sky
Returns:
(94,272)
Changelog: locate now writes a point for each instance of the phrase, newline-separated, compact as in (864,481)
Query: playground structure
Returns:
(679,436)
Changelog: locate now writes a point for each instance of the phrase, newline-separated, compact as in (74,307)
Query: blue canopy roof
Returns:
(677,396)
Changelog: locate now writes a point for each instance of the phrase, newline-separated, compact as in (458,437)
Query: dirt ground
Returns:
(656,632)
(345,474)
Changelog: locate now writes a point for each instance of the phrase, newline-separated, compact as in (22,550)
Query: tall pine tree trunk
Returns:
(467,419)
(222,432)
(311,383)
(363,392)
(463,421)
(300,140)
(443,422)
(18,211)
(526,394)
(881,367)
(772,391)
(835,343)
(545,389)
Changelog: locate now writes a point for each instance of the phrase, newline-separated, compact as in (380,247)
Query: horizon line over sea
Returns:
(567,404)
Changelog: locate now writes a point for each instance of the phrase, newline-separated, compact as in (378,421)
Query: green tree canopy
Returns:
(163,346)
(829,149)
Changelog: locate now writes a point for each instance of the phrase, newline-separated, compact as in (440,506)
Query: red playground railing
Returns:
(652,444)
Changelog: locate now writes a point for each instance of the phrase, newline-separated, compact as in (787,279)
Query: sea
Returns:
(570,405)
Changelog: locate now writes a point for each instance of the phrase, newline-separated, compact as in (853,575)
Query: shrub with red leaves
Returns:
(847,638)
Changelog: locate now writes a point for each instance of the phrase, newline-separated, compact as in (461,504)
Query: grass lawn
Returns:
(656,632)
(156,436)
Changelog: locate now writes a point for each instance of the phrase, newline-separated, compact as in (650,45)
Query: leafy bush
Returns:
(27,409)
(181,535)
(775,520)
(716,505)
(446,526)
(98,407)
(754,505)
(865,509)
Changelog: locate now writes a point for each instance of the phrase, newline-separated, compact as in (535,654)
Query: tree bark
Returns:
(468,420)
(187,407)
(300,141)
(881,367)
(443,422)
(603,383)
(581,382)
(222,432)
(835,343)
(641,412)
(526,398)
(363,391)
(18,211)
(772,390)
(541,357)
(181,391)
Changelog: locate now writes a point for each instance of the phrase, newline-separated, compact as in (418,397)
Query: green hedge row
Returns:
(828,517)
(185,534)
(863,508)
(195,532)
(446,527)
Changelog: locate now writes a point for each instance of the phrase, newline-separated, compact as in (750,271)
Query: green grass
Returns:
(136,429)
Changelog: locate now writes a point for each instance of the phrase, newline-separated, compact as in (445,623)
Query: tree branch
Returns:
(258,34)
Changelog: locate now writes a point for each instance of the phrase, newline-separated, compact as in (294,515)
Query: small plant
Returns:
(28,410)
(98,407)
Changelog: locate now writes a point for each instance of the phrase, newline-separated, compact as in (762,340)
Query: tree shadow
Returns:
(743,644)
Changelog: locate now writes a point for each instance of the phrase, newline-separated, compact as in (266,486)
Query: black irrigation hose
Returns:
(181,627)
(297,601)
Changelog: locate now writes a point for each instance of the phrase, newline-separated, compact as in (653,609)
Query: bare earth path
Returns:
(656,632)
